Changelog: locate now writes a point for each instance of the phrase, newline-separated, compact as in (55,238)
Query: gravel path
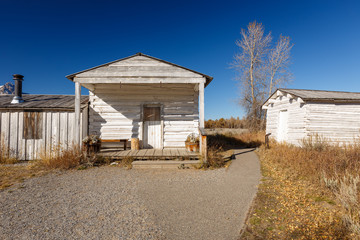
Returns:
(205,204)
(114,203)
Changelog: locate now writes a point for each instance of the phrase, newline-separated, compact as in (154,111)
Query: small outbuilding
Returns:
(40,124)
(142,97)
(295,114)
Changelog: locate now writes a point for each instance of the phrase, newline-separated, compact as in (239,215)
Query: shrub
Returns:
(62,158)
(231,141)
(127,162)
(315,142)
(214,160)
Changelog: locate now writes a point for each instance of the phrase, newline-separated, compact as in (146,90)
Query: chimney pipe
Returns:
(18,88)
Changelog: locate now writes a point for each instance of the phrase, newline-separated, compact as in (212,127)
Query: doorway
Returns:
(282,126)
(153,134)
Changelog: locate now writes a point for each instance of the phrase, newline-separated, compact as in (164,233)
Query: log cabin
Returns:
(142,97)
(295,114)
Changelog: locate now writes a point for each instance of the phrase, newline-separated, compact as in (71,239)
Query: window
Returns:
(32,125)
(151,113)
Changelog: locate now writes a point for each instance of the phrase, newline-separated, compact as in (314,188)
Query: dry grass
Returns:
(308,192)
(10,175)
(60,158)
(7,155)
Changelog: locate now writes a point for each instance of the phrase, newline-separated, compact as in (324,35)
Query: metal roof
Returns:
(39,101)
(208,78)
(308,95)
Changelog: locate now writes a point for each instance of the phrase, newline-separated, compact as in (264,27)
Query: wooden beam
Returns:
(158,80)
(300,100)
(91,87)
(201,106)
(77,112)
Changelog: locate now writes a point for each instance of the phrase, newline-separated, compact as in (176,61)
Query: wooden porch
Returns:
(151,154)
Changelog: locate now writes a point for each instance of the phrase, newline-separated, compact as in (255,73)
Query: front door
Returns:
(153,136)
(282,126)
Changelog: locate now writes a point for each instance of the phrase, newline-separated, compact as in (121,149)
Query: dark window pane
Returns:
(151,113)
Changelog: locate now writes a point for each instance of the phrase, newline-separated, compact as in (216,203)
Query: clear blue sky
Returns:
(46,40)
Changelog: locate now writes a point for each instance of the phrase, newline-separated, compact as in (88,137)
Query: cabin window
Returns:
(32,125)
(151,113)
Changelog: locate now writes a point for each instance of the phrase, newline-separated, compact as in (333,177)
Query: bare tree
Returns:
(261,68)
(278,64)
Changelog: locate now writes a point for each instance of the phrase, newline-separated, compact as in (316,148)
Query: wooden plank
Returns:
(201,106)
(77,113)
(63,129)
(13,137)
(183,152)
(166,152)
(55,130)
(158,153)
(150,152)
(85,119)
(142,152)
(21,147)
(133,153)
(125,153)
(71,127)
(48,137)
(147,80)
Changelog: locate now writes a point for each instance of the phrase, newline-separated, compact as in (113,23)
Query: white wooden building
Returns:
(143,97)
(293,115)
(39,124)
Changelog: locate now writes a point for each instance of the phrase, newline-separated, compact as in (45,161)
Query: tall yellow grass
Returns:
(61,158)
(328,166)
(7,155)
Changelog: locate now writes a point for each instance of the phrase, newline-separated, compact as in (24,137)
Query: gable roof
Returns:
(308,95)
(39,101)
(316,95)
(208,78)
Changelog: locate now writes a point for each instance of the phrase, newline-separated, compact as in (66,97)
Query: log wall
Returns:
(116,110)
(296,118)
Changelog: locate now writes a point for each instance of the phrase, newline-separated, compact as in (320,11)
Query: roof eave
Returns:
(208,78)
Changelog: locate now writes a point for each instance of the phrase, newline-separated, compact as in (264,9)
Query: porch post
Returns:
(77,112)
(201,105)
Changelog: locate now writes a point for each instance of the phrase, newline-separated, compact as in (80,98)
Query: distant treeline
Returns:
(226,123)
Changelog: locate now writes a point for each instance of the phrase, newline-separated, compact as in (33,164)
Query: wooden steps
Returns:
(179,154)
(167,164)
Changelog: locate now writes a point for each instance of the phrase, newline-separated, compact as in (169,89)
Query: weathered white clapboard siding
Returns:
(332,115)
(119,90)
(116,111)
(337,122)
(57,130)
(296,118)
(139,66)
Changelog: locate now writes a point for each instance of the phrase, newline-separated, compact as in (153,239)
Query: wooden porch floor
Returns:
(151,154)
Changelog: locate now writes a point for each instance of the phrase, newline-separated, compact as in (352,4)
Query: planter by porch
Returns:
(92,148)
(192,147)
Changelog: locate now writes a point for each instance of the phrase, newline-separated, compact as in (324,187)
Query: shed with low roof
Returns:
(296,114)
(39,124)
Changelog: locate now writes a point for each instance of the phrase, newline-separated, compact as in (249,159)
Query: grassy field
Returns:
(308,192)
